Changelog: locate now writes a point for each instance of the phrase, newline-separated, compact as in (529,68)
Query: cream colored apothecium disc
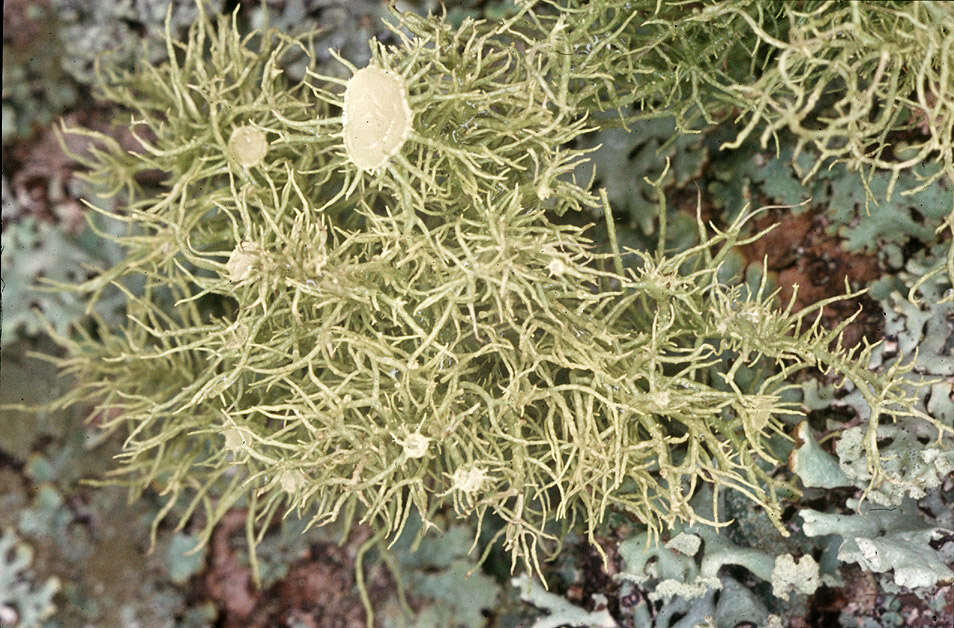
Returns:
(248,145)
(377,117)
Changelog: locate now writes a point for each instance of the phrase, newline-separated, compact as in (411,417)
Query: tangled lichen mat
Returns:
(373,294)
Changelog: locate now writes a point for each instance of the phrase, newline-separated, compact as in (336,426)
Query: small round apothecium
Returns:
(248,146)
(468,480)
(292,481)
(376,117)
(415,445)
(242,261)
(234,439)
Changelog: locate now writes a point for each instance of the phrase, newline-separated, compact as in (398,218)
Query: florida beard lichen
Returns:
(378,313)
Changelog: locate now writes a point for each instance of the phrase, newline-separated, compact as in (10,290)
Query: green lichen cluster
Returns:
(864,83)
(351,343)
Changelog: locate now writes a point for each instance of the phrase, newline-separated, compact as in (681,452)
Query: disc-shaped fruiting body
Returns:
(376,117)
(248,146)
